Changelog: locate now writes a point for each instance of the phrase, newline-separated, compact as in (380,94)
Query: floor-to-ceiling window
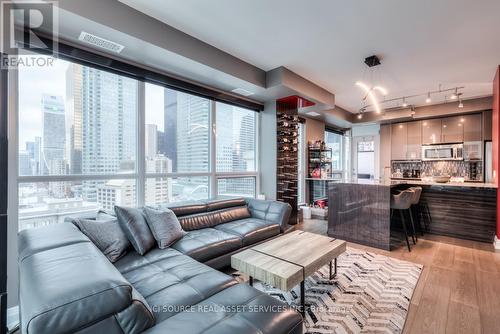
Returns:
(90,139)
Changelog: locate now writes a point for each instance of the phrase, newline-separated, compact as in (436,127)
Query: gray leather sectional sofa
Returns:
(67,285)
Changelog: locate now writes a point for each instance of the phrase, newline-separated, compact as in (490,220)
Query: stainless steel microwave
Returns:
(443,152)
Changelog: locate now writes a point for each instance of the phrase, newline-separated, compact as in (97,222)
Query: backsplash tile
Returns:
(436,168)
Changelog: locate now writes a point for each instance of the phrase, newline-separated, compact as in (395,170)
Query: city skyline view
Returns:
(85,123)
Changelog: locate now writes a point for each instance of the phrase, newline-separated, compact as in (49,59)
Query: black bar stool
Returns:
(402,202)
(417,191)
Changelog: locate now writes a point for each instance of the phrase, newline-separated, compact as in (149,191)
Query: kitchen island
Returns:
(360,211)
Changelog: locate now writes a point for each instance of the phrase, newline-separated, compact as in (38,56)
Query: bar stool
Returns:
(417,191)
(402,202)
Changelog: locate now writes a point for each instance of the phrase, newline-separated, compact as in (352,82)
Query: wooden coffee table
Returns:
(288,260)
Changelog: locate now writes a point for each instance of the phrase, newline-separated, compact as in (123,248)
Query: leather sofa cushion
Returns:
(219,204)
(214,218)
(271,211)
(239,309)
(49,301)
(185,208)
(171,281)
(200,221)
(207,243)
(33,241)
(250,230)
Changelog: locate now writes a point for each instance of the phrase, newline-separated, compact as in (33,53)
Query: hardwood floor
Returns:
(459,289)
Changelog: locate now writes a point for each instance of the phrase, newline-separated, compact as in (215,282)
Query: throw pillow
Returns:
(164,225)
(136,228)
(107,235)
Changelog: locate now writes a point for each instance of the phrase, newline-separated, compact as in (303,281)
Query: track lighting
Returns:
(428,99)
(404,105)
(454,95)
(460,104)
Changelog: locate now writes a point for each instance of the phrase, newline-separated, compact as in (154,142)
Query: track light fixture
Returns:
(428,99)
(404,105)
(454,95)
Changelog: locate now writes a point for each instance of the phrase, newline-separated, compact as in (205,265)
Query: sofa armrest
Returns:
(271,211)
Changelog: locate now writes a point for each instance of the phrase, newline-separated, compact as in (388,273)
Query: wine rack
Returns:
(287,123)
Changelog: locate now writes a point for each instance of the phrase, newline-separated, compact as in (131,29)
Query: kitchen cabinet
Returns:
(453,129)
(431,131)
(487,122)
(414,140)
(399,140)
(472,127)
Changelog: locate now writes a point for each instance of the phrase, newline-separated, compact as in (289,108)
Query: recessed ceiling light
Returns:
(313,113)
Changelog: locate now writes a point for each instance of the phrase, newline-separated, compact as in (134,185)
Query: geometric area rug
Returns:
(371,294)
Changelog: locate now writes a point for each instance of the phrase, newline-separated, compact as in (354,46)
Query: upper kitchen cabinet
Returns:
(472,125)
(453,130)
(399,140)
(487,122)
(414,141)
(431,131)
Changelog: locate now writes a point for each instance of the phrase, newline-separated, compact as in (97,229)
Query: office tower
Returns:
(161,139)
(53,132)
(246,144)
(169,143)
(74,107)
(192,133)
(158,190)
(114,192)
(224,138)
(33,148)
(151,140)
(25,163)
(104,109)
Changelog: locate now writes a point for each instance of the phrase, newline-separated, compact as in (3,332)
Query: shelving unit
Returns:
(287,120)
(319,159)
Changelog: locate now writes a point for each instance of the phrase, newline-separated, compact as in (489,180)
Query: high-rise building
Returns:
(53,132)
(169,143)
(151,141)
(74,107)
(104,107)
(192,133)
(115,192)
(246,142)
(25,162)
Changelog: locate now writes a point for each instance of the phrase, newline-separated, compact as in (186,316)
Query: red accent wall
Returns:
(496,140)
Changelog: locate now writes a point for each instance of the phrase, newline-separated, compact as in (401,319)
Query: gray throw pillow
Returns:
(135,227)
(164,225)
(107,235)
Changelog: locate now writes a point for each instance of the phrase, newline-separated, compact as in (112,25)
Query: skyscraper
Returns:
(74,107)
(105,104)
(151,141)
(169,143)
(53,132)
(192,133)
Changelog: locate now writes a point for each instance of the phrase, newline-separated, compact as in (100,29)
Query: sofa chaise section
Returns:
(68,285)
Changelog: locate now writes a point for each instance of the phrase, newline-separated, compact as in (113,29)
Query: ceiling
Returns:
(421,43)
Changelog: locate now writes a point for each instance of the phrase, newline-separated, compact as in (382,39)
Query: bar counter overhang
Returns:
(359,211)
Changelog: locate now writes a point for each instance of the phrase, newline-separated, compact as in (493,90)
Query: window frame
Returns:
(140,175)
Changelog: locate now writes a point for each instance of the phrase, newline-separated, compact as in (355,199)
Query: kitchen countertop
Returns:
(448,184)
(424,182)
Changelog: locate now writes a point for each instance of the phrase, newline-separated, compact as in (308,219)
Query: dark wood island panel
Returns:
(461,212)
